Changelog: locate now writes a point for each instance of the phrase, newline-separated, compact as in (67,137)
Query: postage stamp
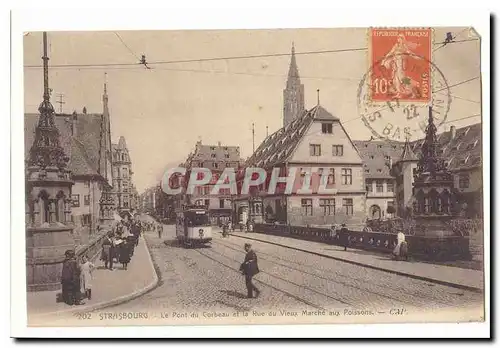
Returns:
(401,61)
(291,214)
(402,85)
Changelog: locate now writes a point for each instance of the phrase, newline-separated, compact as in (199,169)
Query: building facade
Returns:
(216,158)
(123,192)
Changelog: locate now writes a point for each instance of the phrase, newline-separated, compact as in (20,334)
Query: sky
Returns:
(164,110)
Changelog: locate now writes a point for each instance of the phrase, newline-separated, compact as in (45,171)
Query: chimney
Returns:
(74,118)
(218,143)
(453,132)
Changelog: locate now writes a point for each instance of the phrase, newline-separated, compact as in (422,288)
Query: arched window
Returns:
(60,207)
(445,202)
(433,204)
(43,201)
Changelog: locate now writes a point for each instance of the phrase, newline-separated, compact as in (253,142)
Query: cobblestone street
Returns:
(208,279)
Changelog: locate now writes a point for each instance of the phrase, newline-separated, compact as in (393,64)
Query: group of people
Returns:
(153,226)
(120,243)
(76,278)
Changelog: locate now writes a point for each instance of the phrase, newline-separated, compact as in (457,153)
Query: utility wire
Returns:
(359,49)
(452,40)
(128,48)
(203,59)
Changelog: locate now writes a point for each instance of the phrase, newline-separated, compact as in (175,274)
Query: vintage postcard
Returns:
(307,176)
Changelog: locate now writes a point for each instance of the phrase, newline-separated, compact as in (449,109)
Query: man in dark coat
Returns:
(344,236)
(70,279)
(249,268)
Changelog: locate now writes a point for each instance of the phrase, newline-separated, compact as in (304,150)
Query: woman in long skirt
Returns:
(124,254)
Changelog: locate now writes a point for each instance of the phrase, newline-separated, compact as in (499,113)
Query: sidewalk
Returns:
(452,276)
(108,287)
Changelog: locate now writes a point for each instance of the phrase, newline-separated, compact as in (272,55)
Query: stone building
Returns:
(122,177)
(309,140)
(216,158)
(461,149)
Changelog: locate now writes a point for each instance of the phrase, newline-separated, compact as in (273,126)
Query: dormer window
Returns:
(379,146)
(326,128)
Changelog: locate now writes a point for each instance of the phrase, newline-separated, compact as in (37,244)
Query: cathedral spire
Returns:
(293,70)
(293,94)
(46,150)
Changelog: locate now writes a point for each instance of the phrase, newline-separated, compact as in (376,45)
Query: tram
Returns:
(193,226)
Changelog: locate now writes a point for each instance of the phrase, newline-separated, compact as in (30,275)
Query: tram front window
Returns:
(194,220)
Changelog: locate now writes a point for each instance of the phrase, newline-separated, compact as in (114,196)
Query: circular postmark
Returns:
(396,107)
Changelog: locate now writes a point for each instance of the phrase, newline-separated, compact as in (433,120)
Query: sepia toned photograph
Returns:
(260,176)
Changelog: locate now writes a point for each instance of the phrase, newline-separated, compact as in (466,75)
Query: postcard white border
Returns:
(284,15)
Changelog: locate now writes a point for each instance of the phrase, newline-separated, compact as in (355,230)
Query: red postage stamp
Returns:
(401,64)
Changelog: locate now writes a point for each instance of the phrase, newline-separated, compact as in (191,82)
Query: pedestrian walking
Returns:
(250,268)
(107,252)
(124,254)
(160,230)
(70,279)
(344,236)
(87,268)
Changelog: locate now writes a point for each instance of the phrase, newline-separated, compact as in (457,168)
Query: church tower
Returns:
(293,94)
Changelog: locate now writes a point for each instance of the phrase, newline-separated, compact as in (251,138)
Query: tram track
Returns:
(279,278)
(417,297)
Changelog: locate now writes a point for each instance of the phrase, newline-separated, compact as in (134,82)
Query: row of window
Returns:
(215,156)
(315,150)
(346,175)
(217,165)
(76,200)
(379,186)
(206,190)
(327,206)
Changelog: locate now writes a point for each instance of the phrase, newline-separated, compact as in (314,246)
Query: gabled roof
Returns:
(83,148)
(80,163)
(278,147)
(407,155)
(462,152)
(377,157)
(321,114)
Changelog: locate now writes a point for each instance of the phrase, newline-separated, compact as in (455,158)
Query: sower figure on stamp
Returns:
(249,268)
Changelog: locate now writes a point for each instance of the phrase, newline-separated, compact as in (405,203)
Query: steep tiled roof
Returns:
(80,163)
(220,153)
(378,156)
(278,147)
(461,152)
(320,113)
(82,149)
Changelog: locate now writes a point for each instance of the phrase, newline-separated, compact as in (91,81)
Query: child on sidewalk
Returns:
(87,270)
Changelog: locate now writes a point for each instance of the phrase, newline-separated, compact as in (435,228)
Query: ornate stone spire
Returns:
(46,150)
(293,70)
(293,94)
(430,161)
